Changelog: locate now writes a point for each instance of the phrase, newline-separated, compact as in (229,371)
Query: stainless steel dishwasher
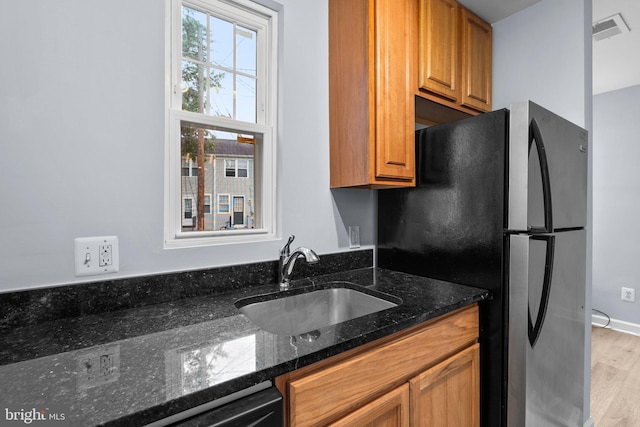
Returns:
(258,406)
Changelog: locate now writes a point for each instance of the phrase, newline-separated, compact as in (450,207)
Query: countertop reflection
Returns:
(135,366)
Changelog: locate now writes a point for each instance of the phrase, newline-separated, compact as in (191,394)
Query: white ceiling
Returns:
(493,11)
(616,63)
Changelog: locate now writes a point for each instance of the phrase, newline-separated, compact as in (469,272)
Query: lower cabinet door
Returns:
(448,394)
(389,410)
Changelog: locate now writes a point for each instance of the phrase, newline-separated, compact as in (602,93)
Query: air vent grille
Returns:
(609,27)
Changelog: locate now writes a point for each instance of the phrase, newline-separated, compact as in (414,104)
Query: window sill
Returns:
(216,238)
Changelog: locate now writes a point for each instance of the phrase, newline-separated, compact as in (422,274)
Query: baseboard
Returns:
(616,325)
(589,423)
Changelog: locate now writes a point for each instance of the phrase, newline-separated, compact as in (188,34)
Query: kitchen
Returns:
(96,127)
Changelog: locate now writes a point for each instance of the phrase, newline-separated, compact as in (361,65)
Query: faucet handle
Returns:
(286,249)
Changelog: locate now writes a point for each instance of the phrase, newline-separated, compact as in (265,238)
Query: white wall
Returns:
(539,54)
(82,149)
(616,190)
(544,54)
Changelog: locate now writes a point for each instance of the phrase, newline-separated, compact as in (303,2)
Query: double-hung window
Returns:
(221,106)
(230,168)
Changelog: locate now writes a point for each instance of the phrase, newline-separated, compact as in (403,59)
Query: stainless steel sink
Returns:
(284,313)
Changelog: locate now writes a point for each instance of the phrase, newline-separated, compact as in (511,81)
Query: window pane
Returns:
(229,168)
(194,34)
(221,43)
(246,99)
(246,50)
(194,87)
(223,203)
(221,94)
(242,168)
(213,64)
(191,138)
(207,203)
(225,160)
(238,204)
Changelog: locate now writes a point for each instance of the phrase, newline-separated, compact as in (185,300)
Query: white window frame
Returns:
(235,166)
(210,204)
(265,22)
(228,196)
(238,168)
(184,201)
(191,167)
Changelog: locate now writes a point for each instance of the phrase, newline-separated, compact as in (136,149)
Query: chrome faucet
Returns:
(288,261)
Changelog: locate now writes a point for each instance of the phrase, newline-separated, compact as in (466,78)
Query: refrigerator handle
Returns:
(535,135)
(534,329)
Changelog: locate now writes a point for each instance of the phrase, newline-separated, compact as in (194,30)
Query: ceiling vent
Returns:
(609,27)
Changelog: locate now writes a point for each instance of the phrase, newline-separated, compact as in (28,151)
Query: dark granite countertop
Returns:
(135,366)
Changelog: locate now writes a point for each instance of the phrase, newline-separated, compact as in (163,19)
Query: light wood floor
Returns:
(615,378)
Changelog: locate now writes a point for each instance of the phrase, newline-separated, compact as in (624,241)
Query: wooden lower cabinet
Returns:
(427,375)
(448,395)
(390,410)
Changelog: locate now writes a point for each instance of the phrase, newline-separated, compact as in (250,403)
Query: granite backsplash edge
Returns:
(34,306)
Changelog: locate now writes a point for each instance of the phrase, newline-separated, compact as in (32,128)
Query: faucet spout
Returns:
(287,263)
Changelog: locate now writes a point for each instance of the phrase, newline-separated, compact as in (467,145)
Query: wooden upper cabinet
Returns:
(476,54)
(454,56)
(372,81)
(395,108)
(438,70)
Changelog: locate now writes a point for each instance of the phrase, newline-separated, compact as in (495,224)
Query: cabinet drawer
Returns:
(340,388)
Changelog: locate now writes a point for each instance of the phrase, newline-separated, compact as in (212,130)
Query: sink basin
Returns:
(293,312)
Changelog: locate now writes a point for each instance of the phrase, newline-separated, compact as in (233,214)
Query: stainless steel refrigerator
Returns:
(500,204)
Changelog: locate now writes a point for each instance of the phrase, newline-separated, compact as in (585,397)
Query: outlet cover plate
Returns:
(628,294)
(90,259)
(354,236)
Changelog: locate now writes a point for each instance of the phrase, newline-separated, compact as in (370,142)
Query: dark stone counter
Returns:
(137,365)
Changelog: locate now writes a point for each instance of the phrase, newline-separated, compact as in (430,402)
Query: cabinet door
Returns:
(475,43)
(395,53)
(438,63)
(332,391)
(389,410)
(448,394)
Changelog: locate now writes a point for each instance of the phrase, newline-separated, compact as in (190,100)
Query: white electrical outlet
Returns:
(628,294)
(354,236)
(105,255)
(96,255)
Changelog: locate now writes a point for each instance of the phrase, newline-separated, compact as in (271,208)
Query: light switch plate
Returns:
(96,255)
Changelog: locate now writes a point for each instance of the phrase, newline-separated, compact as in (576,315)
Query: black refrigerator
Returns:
(500,204)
